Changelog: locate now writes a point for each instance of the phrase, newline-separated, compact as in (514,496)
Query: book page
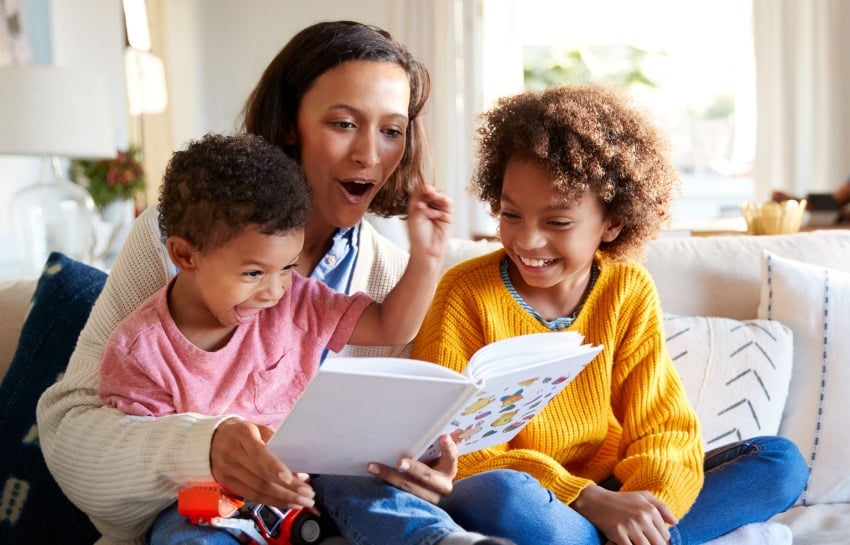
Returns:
(390,366)
(516,352)
(514,387)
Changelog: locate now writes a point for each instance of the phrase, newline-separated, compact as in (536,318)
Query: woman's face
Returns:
(351,130)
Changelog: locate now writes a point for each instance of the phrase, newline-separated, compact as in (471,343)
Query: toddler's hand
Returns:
(429,222)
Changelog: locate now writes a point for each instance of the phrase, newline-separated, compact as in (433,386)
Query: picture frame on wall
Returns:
(14,46)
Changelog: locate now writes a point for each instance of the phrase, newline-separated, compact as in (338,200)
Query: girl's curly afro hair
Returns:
(588,137)
(220,185)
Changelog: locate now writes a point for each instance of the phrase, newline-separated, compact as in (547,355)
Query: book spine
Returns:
(429,449)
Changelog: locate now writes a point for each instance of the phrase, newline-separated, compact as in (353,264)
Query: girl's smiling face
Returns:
(351,129)
(551,241)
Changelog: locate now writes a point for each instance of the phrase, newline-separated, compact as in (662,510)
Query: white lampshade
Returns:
(54,112)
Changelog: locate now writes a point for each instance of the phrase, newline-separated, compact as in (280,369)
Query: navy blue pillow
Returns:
(33,508)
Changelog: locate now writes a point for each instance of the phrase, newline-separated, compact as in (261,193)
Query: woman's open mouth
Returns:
(356,190)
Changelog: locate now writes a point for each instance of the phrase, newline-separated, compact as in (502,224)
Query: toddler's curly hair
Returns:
(588,137)
(220,185)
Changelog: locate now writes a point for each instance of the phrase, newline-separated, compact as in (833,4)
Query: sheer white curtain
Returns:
(802,95)
(446,36)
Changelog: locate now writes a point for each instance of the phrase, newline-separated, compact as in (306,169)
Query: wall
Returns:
(216,50)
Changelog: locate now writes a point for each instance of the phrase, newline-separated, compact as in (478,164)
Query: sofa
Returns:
(754,325)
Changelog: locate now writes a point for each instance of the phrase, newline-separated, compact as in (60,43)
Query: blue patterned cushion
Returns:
(33,508)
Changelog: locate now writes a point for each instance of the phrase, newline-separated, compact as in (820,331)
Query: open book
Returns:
(360,410)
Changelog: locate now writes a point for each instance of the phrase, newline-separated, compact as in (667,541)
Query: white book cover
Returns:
(361,410)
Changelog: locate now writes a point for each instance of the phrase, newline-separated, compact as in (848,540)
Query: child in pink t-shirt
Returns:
(238,330)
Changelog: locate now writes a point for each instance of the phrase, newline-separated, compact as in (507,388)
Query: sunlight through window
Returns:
(691,64)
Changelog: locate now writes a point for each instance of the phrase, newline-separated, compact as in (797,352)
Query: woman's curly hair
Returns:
(220,185)
(588,137)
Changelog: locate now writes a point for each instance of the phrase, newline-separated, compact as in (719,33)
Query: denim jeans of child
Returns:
(372,512)
(748,481)
(171,528)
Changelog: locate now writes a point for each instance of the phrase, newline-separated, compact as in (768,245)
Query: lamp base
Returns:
(53,215)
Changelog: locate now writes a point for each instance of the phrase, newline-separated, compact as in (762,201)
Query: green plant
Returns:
(108,180)
(620,65)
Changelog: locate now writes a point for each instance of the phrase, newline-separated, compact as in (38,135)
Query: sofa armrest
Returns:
(15,298)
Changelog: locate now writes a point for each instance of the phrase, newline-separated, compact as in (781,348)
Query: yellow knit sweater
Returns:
(626,414)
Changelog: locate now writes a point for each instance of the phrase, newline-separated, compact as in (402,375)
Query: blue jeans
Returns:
(369,511)
(172,528)
(748,481)
(745,482)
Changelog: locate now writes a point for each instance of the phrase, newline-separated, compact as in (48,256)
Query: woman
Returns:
(345,100)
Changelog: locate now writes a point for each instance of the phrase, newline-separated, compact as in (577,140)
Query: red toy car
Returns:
(263,524)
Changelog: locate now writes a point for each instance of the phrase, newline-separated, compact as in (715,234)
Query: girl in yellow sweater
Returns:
(580,181)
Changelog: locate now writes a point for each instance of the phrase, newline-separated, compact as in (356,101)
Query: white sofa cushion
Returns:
(813,302)
(736,373)
(757,533)
(721,276)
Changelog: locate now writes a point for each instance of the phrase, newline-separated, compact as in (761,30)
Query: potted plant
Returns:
(113,185)
(110,180)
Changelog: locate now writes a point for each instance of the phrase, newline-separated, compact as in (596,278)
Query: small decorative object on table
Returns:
(113,184)
(774,218)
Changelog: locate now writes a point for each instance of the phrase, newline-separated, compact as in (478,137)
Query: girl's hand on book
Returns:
(429,482)
(626,518)
(241,462)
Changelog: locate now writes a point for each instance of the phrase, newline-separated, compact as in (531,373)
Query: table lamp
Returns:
(54,112)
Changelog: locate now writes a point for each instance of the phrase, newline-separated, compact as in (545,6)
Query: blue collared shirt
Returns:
(336,268)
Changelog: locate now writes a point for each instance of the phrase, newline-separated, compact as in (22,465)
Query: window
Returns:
(690,64)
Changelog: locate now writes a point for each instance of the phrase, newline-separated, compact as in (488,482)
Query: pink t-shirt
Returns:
(150,369)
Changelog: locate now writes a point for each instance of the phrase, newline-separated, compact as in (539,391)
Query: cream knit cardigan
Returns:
(122,470)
